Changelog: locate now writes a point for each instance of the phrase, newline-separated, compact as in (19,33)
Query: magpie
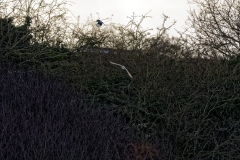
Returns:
(99,23)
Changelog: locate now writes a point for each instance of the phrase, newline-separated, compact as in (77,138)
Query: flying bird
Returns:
(123,67)
(99,23)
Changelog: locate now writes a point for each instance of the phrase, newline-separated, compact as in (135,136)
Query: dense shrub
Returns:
(14,37)
(41,118)
(179,105)
(191,104)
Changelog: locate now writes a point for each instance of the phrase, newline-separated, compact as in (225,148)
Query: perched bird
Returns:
(123,67)
(99,23)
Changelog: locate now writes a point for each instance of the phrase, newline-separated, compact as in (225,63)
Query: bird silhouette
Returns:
(99,23)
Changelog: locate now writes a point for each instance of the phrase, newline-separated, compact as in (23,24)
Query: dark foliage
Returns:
(41,118)
(178,104)
(191,104)
(12,37)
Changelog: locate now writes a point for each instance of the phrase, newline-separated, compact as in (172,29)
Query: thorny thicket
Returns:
(188,105)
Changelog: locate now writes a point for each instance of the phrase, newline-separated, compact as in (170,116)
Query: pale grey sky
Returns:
(120,9)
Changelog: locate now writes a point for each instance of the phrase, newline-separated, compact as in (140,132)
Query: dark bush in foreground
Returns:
(43,119)
(191,104)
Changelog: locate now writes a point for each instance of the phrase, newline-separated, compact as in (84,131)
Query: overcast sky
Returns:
(121,9)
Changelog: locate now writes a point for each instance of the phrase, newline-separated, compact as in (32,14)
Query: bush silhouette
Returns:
(12,37)
(42,118)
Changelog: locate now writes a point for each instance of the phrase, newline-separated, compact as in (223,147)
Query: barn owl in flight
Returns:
(123,67)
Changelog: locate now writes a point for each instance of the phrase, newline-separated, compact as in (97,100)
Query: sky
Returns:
(119,10)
